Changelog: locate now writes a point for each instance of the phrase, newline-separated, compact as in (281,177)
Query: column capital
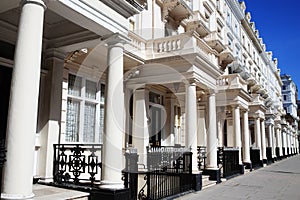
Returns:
(235,106)
(211,92)
(115,39)
(55,53)
(191,82)
(37,2)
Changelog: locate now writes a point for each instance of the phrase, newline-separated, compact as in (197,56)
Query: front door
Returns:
(155,125)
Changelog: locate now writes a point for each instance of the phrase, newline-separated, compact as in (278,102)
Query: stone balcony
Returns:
(231,81)
(226,56)
(198,26)
(177,45)
(215,41)
(175,9)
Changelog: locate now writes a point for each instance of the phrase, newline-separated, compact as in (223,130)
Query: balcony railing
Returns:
(231,81)
(78,164)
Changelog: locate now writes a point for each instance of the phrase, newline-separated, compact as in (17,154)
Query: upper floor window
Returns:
(131,25)
(283,87)
(228,19)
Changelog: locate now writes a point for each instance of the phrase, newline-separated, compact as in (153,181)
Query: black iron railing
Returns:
(169,157)
(255,157)
(78,164)
(202,155)
(2,158)
(228,161)
(168,173)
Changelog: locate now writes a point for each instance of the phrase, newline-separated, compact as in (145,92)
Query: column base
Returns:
(265,162)
(242,169)
(110,193)
(214,174)
(197,181)
(248,165)
(111,185)
(5,196)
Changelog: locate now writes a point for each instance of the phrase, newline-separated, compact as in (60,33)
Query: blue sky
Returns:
(278,23)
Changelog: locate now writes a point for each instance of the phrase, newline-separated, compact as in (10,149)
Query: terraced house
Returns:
(135,99)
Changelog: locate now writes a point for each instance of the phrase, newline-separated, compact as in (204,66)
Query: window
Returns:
(283,87)
(131,25)
(85,110)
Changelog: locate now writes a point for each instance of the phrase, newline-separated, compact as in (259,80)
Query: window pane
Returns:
(102,92)
(90,89)
(72,126)
(89,122)
(101,124)
(74,85)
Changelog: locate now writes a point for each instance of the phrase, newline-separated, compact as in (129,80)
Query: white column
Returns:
(212,141)
(114,114)
(22,114)
(140,132)
(278,140)
(237,130)
(273,142)
(288,141)
(263,140)
(270,135)
(258,135)
(246,144)
(284,142)
(220,122)
(191,122)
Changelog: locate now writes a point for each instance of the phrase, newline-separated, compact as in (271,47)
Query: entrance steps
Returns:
(206,183)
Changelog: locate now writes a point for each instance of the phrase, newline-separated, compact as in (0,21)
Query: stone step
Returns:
(207,183)
(205,177)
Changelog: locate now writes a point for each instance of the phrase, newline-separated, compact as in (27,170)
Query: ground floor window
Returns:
(85,110)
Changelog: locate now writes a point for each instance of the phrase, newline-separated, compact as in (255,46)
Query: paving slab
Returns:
(44,192)
(278,181)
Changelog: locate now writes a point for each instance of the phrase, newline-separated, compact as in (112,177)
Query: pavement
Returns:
(278,181)
(44,192)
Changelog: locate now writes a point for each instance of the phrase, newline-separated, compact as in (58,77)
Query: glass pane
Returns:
(74,85)
(72,126)
(101,124)
(102,92)
(90,89)
(89,122)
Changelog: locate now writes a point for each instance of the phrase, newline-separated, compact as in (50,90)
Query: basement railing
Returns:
(168,173)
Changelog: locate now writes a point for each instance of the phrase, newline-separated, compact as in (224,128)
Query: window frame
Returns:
(84,100)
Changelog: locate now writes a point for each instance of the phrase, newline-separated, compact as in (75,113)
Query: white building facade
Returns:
(140,76)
